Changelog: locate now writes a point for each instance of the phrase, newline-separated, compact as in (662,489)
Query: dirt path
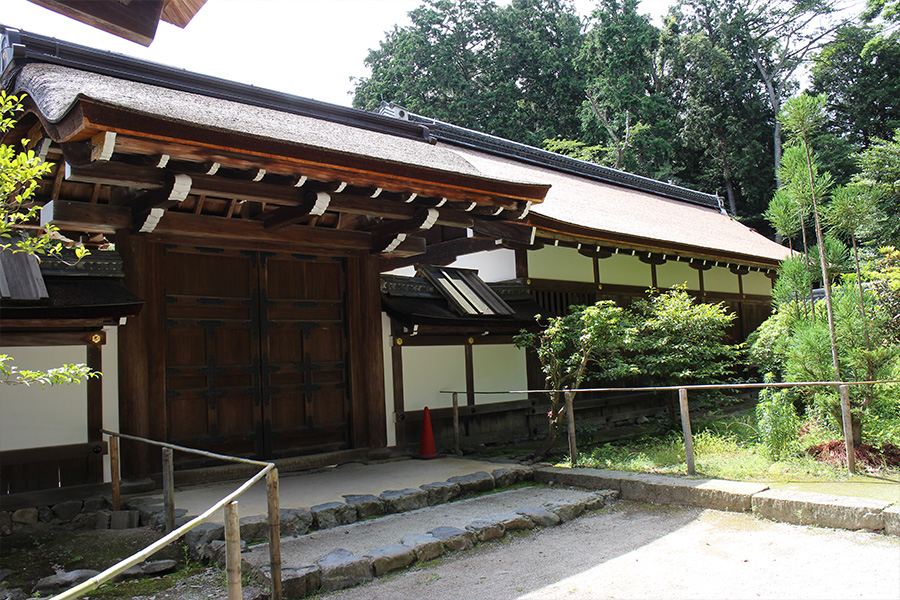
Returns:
(638,550)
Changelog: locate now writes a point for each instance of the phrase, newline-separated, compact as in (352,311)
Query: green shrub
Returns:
(777,422)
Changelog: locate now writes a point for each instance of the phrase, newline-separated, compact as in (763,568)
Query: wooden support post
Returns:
(570,410)
(274,532)
(114,472)
(233,551)
(847,418)
(686,427)
(456,449)
(168,481)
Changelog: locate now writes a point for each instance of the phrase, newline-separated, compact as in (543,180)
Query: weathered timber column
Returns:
(686,427)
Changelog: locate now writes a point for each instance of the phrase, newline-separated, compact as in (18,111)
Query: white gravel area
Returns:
(362,537)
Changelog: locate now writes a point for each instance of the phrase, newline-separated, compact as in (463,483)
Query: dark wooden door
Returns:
(255,353)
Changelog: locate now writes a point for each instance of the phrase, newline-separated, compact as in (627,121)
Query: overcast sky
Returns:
(309,48)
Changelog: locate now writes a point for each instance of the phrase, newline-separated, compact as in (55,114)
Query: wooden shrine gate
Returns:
(256,352)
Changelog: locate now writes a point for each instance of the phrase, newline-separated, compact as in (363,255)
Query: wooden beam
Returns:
(149,209)
(407,247)
(512,231)
(314,203)
(54,338)
(83,216)
(99,148)
(439,254)
(134,20)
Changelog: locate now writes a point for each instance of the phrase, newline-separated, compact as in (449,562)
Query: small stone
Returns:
(642,420)
(25,516)
(332,514)
(540,516)
(296,582)
(454,538)
(486,530)
(63,581)
(441,492)
(66,511)
(505,477)
(565,511)
(294,521)
(601,498)
(12,594)
(45,515)
(198,540)
(340,569)
(390,558)
(158,520)
(94,504)
(85,521)
(254,529)
(514,521)
(153,567)
(366,505)
(474,483)
(426,547)
(397,501)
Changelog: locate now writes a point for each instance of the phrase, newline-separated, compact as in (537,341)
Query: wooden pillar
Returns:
(94,360)
(470,373)
(142,403)
(366,352)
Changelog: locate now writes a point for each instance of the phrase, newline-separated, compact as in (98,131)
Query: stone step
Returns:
(347,555)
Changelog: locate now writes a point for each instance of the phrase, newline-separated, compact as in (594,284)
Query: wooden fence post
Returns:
(847,418)
(168,481)
(233,551)
(686,427)
(570,409)
(274,532)
(114,472)
(456,449)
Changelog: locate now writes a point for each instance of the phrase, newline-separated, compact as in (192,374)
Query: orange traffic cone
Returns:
(427,449)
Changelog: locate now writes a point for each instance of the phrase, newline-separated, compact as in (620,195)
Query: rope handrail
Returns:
(711,386)
(101,578)
(225,457)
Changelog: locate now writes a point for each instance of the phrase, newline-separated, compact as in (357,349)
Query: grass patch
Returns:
(724,448)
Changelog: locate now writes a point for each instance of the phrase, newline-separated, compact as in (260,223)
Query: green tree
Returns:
(859,70)
(504,71)
(588,340)
(625,109)
(879,174)
(20,171)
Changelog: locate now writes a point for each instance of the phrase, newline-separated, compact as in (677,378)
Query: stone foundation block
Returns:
(296,582)
(25,516)
(567,511)
(474,483)
(390,558)
(366,505)
(486,530)
(294,521)
(66,511)
(397,501)
(540,516)
(62,581)
(340,569)
(658,489)
(454,538)
(332,514)
(441,492)
(824,510)
(892,520)
(426,547)
(515,521)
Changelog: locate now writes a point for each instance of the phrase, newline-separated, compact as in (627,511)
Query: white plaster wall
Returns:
(499,367)
(32,416)
(757,283)
(388,380)
(429,369)
(624,269)
(492,265)
(673,273)
(560,263)
(720,279)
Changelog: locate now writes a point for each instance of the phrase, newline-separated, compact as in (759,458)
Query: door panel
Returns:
(256,353)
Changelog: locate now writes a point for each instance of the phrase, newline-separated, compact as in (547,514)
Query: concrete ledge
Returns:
(809,508)
(892,519)
(706,493)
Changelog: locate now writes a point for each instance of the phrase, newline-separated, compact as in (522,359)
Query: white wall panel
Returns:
(429,369)
(499,367)
(563,264)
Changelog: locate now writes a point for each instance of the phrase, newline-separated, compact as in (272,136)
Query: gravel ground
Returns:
(636,550)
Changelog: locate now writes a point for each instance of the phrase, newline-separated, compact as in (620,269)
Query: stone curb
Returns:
(803,508)
(340,569)
(298,521)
